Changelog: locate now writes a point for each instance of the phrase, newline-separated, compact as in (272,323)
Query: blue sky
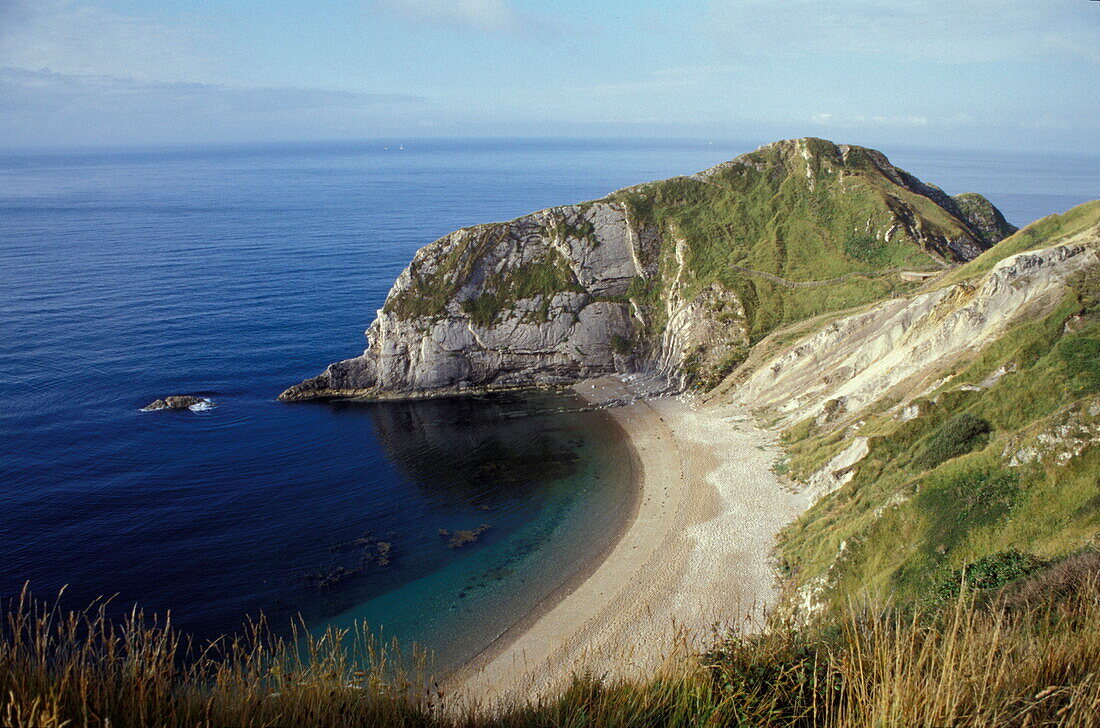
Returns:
(1012,74)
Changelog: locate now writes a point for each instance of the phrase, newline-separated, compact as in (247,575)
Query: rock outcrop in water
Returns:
(679,276)
(177,402)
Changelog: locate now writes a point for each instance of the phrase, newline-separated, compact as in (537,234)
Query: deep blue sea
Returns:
(233,272)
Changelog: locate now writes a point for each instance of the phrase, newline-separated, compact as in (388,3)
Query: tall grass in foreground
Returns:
(968,665)
(81,668)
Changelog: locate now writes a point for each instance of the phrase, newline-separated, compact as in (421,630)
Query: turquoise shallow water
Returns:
(478,590)
(234,272)
(460,608)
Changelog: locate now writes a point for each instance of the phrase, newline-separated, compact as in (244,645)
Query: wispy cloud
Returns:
(666,80)
(75,36)
(45,106)
(487,16)
(244,97)
(946,31)
(858,120)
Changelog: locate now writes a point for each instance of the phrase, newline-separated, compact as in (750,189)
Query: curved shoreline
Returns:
(694,554)
(521,626)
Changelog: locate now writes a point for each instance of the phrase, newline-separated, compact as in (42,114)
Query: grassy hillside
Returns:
(999,466)
(793,230)
(834,221)
(1041,233)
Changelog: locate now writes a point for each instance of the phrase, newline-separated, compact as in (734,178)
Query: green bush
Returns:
(988,572)
(957,436)
(622,345)
(482,310)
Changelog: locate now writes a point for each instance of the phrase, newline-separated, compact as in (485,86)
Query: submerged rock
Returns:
(458,539)
(178,402)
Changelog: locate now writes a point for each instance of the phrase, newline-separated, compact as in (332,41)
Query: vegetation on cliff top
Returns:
(1000,458)
(791,227)
(791,231)
(795,228)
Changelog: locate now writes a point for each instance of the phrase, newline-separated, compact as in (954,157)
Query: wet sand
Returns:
(696,555)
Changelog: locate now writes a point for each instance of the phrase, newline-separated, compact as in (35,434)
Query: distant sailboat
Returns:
(401,148)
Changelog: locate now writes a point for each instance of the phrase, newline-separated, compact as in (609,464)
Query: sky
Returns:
(977,74)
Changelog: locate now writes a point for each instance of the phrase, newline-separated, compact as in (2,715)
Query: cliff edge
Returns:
(680,276)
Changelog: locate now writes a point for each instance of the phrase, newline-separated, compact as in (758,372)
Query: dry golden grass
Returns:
(62,668)
(970,665)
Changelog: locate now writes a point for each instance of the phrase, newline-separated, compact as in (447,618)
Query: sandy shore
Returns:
(695,556)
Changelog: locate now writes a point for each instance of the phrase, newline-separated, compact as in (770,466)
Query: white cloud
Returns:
(856,120)
(932,30)
(77,37)
(490,16)
(665,80)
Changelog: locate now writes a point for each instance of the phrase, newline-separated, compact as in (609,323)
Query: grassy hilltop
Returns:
(835,221)
(792,230)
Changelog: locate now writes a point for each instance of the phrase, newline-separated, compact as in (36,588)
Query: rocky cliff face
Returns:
(539,300)
(905,348)
(679,276)
(957,423)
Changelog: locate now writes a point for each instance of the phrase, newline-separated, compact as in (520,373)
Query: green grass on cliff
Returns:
(942,490)
(434,289)
(777,220)
(543,278)
(433,286)
(806,220)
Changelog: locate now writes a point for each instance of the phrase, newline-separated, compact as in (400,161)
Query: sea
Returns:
(232,272)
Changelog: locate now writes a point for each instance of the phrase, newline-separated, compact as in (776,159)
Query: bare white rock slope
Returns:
(902,347)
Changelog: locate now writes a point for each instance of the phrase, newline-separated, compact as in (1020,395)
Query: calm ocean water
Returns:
(234,272)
